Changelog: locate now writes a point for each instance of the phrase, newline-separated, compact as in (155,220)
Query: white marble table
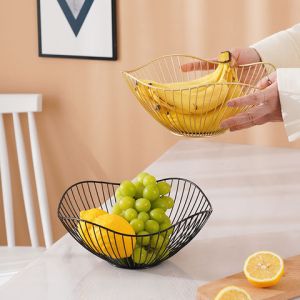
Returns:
(255,194)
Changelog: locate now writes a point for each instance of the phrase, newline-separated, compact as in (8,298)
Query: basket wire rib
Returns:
(167,69)
(189,214)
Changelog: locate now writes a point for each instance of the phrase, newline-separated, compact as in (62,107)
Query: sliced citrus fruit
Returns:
(264,268)
(233,293)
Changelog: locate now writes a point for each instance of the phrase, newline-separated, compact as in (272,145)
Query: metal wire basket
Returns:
(190,212)
(198,109)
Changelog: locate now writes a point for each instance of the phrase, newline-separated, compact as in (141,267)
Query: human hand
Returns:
(266,102)
(266,106)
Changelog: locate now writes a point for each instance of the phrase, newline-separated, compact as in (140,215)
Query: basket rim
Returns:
(128,73)
(197,58)
(208,211)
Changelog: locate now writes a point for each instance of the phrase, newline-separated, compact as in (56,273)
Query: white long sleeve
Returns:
(289,93)
(283,50)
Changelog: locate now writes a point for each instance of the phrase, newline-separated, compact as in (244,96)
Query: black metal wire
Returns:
(188,216)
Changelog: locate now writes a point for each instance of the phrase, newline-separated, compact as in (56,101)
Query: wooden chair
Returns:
(13,258)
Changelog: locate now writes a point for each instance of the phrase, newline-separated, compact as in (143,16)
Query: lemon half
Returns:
(233,293)
(264,269)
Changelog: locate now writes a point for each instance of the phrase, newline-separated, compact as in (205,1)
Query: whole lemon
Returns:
(88,215)
(113,244)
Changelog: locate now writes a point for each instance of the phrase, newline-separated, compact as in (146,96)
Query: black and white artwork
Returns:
(77,28)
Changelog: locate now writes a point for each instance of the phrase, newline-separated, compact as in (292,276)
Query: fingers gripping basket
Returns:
(194,103)
(189,214)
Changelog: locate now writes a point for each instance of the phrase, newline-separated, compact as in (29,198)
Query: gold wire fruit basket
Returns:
(194,103)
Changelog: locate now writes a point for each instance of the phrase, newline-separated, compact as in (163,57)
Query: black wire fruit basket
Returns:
(189,214)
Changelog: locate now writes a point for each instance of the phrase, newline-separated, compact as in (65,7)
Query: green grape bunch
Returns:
(144,204)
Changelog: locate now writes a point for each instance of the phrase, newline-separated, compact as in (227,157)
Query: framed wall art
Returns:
(77,29)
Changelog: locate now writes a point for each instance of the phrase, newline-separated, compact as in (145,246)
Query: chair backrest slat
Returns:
(39,179)
(6,187)
(25,182)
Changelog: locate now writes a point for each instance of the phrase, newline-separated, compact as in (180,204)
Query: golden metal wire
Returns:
(161,104)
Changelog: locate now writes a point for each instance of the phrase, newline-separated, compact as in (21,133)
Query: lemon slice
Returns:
(264,268)
(233,293)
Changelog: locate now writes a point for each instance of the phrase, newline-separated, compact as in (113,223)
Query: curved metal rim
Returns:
(194,57)
(170,55)
(61,217)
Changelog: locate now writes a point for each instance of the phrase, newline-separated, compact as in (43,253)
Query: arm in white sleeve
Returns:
(281,49)
(289,93)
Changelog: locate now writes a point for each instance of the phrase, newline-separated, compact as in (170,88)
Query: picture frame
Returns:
(81,29)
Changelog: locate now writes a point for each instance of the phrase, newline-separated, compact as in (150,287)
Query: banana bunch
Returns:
(206,123)
(195,106)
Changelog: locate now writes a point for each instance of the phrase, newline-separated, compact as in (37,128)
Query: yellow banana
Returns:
(196,96)
(206,123)
(194,100)
(234,91)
